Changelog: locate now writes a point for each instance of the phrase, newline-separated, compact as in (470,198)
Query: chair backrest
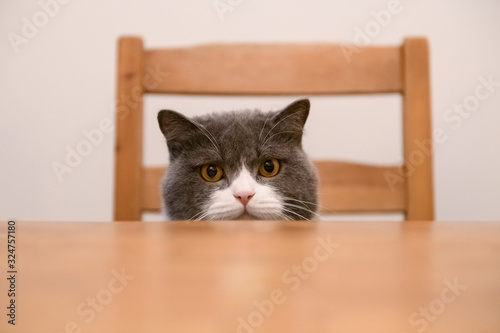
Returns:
(284,69)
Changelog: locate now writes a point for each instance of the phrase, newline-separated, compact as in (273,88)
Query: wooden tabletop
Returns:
(248,277)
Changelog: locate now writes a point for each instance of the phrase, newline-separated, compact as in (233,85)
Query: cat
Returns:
(238,165)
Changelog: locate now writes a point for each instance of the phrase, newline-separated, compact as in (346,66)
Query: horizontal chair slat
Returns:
(343,187)
(277,69)
(351,187)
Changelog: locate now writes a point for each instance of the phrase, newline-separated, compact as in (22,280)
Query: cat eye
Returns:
(269,168)
(211,172)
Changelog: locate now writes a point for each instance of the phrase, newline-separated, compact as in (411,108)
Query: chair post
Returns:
(128,144)
(417,130)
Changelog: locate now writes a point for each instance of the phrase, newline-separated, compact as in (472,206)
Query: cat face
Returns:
(238,165)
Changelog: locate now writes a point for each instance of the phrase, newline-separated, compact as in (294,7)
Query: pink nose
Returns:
(244,197)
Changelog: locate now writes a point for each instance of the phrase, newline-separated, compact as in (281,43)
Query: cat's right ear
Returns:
(172,124)
(176,128)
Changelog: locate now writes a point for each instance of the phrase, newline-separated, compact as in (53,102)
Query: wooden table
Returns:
(247,277)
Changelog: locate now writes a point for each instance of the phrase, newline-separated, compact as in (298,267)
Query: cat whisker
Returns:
(279,216)
(284,217)
(303,208)
(192,218)
(302,201)
(268,215)
(305,204)
(314,204)
(295,213)
(222,212)
(199,216)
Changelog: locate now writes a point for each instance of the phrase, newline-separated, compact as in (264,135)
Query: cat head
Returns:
(238,165)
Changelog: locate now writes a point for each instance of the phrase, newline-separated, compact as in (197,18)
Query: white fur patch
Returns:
(265,203)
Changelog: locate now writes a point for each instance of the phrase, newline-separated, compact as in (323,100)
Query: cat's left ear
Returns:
(291,120)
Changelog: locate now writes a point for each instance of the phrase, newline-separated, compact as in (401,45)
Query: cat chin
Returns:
(246,216)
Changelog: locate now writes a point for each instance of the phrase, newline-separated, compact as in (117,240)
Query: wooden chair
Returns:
(283,69)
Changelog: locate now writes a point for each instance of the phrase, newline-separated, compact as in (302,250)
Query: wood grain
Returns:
(128,144)
(352,187)
(417,141)
(275,69)
(208,277)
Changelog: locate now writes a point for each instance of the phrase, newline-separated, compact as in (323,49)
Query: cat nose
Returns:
(244,197)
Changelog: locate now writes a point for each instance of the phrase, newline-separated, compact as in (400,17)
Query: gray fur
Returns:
(227,139)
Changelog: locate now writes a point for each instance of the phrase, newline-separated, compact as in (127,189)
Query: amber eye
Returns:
(269,168)
(211,172)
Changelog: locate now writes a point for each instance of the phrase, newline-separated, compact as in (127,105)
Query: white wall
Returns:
(59,82)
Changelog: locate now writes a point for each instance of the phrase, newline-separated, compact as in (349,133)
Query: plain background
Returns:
(60,84)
